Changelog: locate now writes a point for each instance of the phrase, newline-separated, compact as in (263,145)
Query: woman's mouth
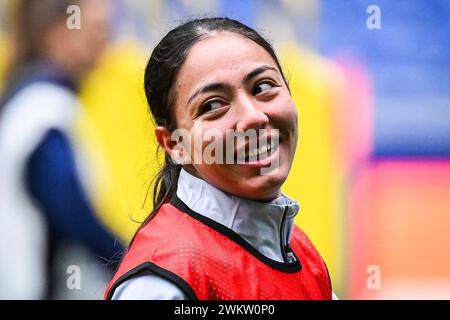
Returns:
(260,155)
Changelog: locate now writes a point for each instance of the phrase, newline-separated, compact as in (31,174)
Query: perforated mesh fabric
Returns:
(216,267)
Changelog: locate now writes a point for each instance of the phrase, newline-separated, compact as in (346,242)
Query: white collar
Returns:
(266,226)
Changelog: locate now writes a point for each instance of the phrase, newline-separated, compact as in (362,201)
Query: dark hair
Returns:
(32,19)
(160,74)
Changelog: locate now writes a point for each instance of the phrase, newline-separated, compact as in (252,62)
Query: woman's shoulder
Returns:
(148,287)
(161,235)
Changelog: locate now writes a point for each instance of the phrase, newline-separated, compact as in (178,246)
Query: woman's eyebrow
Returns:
(258,71)
(207,88)
(223,86)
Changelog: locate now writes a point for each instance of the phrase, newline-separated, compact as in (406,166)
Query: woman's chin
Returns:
(260,187)
(248,182)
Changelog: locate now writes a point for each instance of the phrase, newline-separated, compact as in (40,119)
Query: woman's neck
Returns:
(265,225)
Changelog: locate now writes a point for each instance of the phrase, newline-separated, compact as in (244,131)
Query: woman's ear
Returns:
(171,143)
(164,138)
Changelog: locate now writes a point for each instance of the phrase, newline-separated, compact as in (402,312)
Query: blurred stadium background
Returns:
(372,169)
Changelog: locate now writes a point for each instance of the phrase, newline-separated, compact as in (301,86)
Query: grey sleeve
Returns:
(148,287)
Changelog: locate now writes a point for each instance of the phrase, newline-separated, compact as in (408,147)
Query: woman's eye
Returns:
(211,106)
(263,86)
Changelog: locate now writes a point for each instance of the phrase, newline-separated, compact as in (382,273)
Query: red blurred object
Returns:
(399,218)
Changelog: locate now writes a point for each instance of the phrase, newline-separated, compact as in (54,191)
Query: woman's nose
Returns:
(250,117)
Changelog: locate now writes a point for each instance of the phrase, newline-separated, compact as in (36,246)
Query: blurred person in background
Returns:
(52,240)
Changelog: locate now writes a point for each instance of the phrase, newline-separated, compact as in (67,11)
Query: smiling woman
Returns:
(221,230)
(243,83)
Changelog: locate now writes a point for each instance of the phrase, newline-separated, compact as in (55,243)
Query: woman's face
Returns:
(230,84)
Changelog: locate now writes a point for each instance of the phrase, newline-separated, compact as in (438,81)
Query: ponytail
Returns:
(166,181)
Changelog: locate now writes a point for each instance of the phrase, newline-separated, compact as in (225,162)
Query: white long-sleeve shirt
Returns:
(266,226)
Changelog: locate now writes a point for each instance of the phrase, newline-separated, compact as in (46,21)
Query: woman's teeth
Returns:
(256,152)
